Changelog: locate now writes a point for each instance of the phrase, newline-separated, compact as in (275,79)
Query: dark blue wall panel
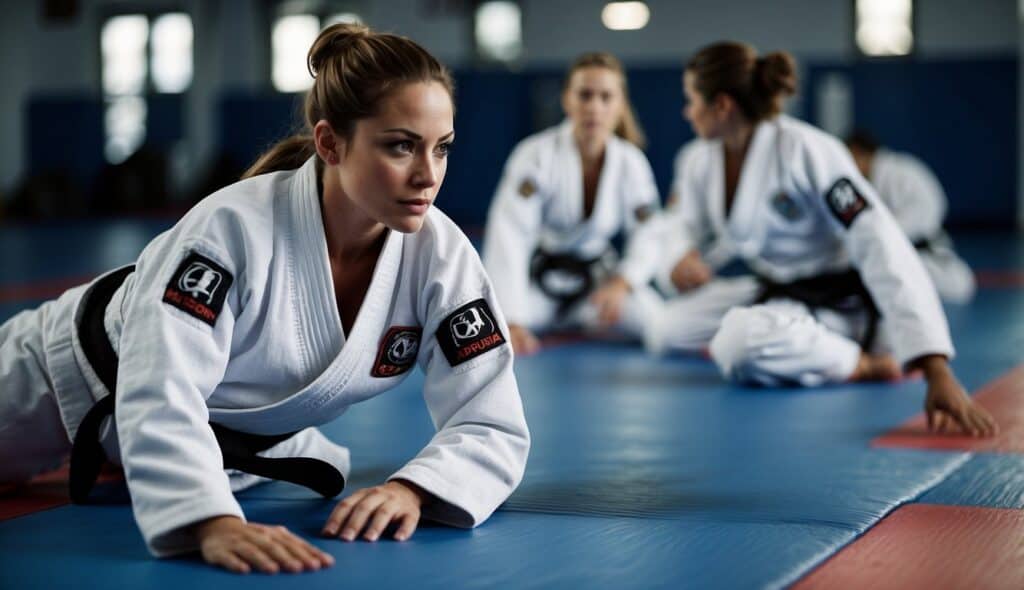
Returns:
(959,116)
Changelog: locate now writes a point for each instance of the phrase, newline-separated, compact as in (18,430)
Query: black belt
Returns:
(239,449)
(841,291)
(583,270)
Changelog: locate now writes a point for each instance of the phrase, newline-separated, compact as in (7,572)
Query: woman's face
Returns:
(594,102)
(701,115)
(393,165)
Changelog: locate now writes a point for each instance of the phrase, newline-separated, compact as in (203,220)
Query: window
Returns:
(140,54)
(290,39)
(498,31)
(884,27)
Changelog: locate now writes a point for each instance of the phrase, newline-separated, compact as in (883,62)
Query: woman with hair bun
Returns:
(565,194)
(839,292)
(316,282)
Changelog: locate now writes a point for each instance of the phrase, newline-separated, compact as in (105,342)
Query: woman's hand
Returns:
(524,343)
(239,546)
(947,403)
(690,272)
(371,510)
(608,300)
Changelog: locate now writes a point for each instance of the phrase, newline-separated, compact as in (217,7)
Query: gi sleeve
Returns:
(174,348)
(889,266)
(640,193)
(915,198)
(684,226)
(513,231)
(478,455)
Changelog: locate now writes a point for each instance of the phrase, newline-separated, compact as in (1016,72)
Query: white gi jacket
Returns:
(802,209)
(274,359)
(911,192)
(539,203)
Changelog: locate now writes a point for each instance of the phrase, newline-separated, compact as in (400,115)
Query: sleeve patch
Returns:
(643,213)
(397,352)
(199,288)
(468,332)
(845,202)
(527,188)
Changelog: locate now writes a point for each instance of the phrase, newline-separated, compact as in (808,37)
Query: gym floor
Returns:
(644,473)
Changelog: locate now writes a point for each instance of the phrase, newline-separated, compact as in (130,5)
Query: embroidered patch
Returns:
(397,352)
(468,332)
(844,200)
(527,188)
(785,206)
(199,287)
(643,213)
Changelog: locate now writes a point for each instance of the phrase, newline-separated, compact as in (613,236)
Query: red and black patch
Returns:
(468,332)
(397,352)
(199,287)
(845,202)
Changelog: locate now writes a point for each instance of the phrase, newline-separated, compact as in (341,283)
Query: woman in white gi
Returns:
(790,200)
(270,308)
(916,199)
(566,192)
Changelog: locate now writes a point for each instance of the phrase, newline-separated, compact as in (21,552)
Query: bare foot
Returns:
(876,367)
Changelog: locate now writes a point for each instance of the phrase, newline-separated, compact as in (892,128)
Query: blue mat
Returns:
(644,474)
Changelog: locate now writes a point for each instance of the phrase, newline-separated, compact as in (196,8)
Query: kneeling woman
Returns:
(565,194)
(270,308)
(831,259)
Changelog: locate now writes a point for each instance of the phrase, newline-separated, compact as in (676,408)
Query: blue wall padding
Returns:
(250,123)
(988,480)
(492,110)
(165,120)
(65,133)
(959,116)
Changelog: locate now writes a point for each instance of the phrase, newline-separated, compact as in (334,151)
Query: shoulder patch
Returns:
(397,352)
(199,287)
(468,332)
(643,213)
(845,202)
(785,206)
(527,188)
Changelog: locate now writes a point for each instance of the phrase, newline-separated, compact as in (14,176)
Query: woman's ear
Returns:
(724,105)
(328,145)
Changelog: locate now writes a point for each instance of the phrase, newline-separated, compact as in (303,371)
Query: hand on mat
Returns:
(371,510)
(690,272)
(947,404)
(523,340)
(608,300)
(239,546)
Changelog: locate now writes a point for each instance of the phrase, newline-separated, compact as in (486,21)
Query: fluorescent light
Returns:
(172,52)
(625,16)
(498,30)
(884,27)
(292,37)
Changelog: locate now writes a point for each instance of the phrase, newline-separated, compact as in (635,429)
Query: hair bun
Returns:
(776,73)
(332,39)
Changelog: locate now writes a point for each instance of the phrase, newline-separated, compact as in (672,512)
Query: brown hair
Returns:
(353,70)
(627,128)
(757,84)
